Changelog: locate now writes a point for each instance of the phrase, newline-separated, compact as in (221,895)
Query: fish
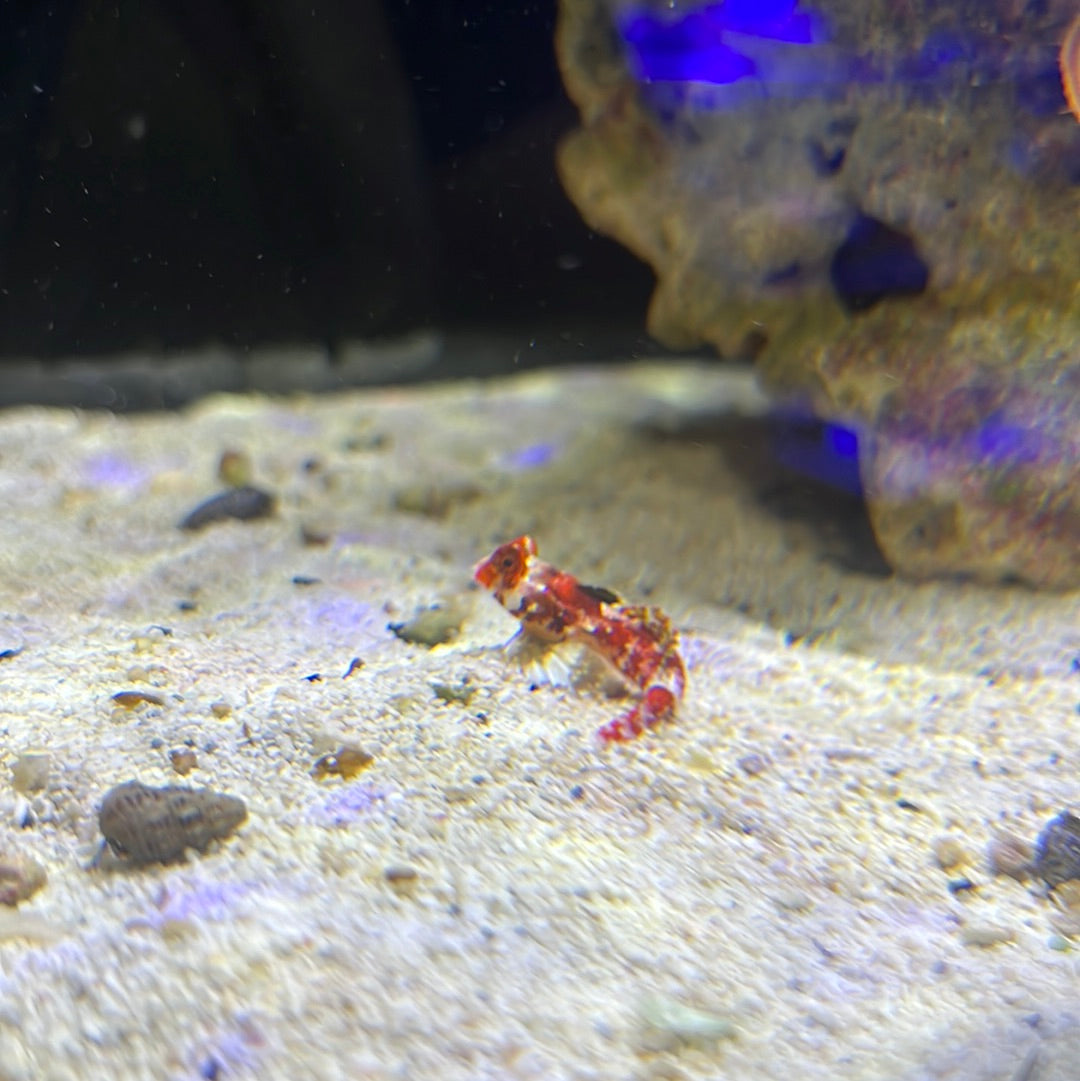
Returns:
(637,642)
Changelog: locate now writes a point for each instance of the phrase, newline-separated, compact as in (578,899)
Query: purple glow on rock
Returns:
(1004,442)
(111,470)
(843,442)
(531,457)
(206,901)
(829,453)
(230,1052)
(775,19)
(289,420)
(687,51)
(1024,434)
(746,50)
(337,619)
(695,48)
(705,653)
(344,806)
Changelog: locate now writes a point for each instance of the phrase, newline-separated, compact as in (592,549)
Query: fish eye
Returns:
(507,562)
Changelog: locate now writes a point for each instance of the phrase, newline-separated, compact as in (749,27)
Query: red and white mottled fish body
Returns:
(639,642)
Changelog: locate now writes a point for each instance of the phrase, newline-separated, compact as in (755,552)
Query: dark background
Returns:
(245,172)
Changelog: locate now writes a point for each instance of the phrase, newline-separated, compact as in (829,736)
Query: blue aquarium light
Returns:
(696,47)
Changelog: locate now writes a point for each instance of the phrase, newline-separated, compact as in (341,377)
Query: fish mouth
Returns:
(484,573)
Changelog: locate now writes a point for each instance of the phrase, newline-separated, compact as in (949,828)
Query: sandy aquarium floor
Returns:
(790,881)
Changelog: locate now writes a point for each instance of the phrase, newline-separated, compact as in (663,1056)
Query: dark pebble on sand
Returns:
(1057,850)
(155,825)
(244,504)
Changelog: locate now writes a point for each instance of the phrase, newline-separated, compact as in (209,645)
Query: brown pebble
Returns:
(432,626)
(157,824)
(183,760)
(243,504)
(134,699)
(434,500)
(1009,855)
(20,878)
(459,793)
(220,709)
(1057,850)
(949,852)
(235,468)
(401,879)
(313,537)
(30,772)
(345,762)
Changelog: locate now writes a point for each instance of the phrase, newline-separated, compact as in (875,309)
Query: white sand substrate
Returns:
(753,892)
